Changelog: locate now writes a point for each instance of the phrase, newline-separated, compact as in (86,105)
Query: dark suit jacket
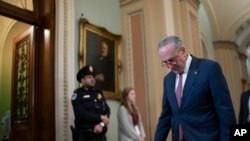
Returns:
(105,66)
(206,109)
(244,111)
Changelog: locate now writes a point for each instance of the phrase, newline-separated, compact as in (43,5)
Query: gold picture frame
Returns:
(124,2)
(99,48)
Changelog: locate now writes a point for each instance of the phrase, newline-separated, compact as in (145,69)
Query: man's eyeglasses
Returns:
(170,61)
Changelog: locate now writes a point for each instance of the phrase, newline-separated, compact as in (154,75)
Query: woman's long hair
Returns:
(131,107)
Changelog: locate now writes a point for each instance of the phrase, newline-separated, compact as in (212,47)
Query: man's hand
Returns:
(98,129)
(105,119)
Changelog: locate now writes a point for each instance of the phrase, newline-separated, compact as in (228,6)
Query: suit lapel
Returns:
(247,101)
(191,76)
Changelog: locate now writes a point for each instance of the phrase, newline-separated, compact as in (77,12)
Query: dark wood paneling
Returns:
(46,76)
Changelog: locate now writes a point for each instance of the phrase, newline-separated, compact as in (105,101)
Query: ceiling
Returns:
(230,20)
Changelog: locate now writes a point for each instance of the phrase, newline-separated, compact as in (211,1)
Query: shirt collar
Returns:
(188,62)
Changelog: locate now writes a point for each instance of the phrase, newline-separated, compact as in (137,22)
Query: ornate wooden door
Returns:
(23,99)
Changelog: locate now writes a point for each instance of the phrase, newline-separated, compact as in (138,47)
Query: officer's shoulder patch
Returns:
(74,96)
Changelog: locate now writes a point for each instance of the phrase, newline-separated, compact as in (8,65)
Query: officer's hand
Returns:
(105,119)
(98,129)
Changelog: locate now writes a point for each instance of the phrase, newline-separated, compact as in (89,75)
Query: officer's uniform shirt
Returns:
(89,104)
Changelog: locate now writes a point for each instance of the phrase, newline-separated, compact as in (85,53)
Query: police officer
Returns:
(90,108)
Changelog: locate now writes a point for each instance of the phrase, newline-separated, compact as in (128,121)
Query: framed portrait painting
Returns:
(99,48)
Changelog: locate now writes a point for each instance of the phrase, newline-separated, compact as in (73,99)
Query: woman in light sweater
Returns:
(129,119)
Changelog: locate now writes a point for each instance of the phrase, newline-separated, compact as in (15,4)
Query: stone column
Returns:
(226,53)
(190,26)
(65,68)
(243,75)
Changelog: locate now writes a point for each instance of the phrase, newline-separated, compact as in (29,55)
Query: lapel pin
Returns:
(195,72)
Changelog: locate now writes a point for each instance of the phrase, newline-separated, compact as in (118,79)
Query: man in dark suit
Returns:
(244,115)
(196,99)
(104,66)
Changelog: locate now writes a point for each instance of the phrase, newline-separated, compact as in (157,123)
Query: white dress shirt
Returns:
(184,74)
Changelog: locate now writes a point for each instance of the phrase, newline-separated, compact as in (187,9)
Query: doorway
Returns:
(10,29)
(27,70)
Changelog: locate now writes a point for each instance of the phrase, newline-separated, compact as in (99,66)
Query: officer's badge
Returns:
(74,96)
(86,96)
(97,106)
(99,96)
(91,69)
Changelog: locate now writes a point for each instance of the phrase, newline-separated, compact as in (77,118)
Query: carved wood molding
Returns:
(19,13)
(65,73)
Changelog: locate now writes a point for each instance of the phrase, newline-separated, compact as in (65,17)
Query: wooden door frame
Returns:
(43,18)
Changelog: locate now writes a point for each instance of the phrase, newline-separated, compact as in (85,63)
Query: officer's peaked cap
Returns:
(86,70)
